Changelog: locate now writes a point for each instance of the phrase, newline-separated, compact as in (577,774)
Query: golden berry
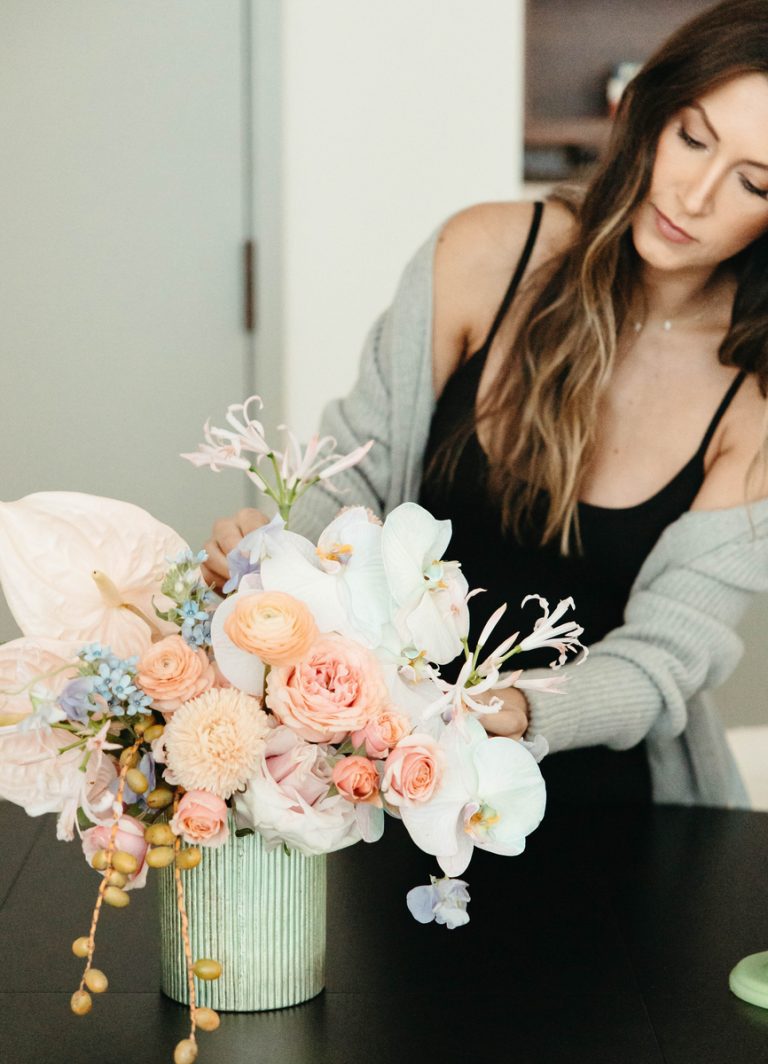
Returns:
(189,857)
(80,947)
(130,757)
(99,860)
(207,1019)
(136,780)
(159,798)
(159,835)
(185,1052)
(154,731)
(125,862)
(117,897)
(116,879)
(96,980)
(81,1002)
(160,856)
(207,969)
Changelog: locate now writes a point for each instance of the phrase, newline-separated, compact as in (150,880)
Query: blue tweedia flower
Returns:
(94,652)
(190,611)
(197,635)
(75,699)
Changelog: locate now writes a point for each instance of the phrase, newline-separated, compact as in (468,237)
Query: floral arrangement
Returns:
(144,710)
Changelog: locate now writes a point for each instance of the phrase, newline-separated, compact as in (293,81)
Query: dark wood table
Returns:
(608,942)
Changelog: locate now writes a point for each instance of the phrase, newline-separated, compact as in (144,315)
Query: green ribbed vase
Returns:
(260,914)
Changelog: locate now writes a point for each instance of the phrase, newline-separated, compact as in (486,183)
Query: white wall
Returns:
(395,115)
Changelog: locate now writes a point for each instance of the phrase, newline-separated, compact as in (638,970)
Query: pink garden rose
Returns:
(382,733)
(357,780)
(129,839)
(172,672)
(335,689)
(201,819)
(288,800)
(412,771)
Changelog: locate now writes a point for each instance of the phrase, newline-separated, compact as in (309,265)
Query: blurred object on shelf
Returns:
(619,78)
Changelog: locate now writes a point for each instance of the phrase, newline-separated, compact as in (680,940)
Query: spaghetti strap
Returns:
(538,210)
(735,385)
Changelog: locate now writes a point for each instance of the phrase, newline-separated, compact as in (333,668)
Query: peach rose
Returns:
(276,627)
(201,818)
(129,839)
(357,780)
(381,733)
(171,672)
(412,771)
(336,688)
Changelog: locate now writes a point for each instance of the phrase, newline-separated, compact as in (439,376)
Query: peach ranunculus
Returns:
(412,771)
(172,672)
(201,819)
(357,780)
(275,626)
(129,839)
(335,689)
(382,733)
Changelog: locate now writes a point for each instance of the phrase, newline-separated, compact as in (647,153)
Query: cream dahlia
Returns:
(214,742)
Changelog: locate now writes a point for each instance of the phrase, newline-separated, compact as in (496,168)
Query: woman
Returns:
(613,391)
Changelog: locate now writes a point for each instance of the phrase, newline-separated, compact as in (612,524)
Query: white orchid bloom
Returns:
(82,567)
(342,580)
(431,594)
(491,795)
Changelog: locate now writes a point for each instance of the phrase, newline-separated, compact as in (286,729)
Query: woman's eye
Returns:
(686,138)
(762,192)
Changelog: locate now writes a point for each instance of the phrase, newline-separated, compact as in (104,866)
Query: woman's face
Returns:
(708,197)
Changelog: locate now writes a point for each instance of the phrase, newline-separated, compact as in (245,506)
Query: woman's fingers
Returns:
(225,536)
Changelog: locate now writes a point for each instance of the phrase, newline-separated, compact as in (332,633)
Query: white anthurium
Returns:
(244,670)
(33,667)
(491,795)
(83,567)
(341,580)
(430,594)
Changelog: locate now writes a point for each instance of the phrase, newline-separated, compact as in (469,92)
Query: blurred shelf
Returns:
(587,131)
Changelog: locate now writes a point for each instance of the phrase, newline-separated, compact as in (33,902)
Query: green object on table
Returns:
(260,913)
(749,979)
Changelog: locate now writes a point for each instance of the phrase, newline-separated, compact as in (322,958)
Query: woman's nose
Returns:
(697,194)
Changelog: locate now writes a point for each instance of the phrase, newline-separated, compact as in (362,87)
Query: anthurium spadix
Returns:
(431,594)
(82,567)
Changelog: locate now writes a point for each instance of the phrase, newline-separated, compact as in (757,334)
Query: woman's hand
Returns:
(225,536)
(512,721)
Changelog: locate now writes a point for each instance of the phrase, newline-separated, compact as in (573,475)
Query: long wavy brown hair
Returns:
(545,405)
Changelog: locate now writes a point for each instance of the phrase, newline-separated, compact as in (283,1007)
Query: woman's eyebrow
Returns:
(748,162)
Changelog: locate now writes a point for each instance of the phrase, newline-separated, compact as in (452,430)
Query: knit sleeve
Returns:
(361,415)
(678,638)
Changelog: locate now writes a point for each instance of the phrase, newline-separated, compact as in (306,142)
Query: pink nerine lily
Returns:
(547,633)
(81,567)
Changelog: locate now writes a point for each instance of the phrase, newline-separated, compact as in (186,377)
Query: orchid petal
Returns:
(244,670)
(412,537)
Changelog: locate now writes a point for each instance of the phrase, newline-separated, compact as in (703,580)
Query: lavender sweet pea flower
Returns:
(443,900)
(239,565)
(75,699)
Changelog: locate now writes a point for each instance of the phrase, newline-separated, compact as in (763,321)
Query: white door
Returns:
(124,204)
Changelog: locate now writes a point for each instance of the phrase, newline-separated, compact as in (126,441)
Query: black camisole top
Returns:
(615,542)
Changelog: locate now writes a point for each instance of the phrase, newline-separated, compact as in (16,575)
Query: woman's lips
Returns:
(669,230)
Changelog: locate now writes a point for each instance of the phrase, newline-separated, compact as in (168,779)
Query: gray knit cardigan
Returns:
(648,679)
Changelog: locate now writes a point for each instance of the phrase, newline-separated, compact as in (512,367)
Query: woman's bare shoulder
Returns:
(743,437)
(476,254)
